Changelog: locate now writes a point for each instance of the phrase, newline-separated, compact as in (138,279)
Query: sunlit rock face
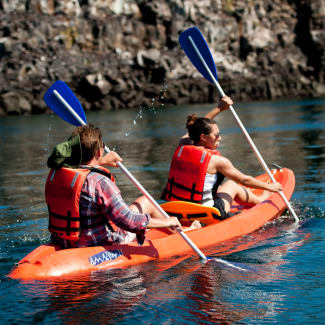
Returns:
(122,53)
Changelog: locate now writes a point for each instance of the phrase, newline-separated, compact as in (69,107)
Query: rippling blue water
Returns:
(284,282)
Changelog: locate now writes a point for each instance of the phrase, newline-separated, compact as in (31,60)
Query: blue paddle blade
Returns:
(202,46)
(56,105)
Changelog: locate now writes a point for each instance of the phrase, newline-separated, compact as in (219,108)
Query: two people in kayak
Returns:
(197,169)
(85,205)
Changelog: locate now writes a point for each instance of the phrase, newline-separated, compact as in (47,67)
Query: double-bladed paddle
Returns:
(197,50)
(60,99)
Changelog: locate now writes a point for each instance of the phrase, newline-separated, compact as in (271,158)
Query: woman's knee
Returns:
(230,187)
(226,186)
(140,205)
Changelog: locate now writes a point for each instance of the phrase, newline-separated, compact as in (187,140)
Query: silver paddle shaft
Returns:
(249,139)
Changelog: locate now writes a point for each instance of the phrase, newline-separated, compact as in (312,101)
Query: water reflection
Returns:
(113,293)
(205,291)
(210,303)
(226,296)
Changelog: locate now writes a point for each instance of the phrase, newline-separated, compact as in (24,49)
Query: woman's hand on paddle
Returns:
(110,159)
(225,103)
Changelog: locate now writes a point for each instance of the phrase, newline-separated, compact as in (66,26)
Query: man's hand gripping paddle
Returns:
(60,99)
(197,50)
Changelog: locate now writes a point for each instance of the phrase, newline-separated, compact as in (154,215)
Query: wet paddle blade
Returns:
(186,44)
(59,97)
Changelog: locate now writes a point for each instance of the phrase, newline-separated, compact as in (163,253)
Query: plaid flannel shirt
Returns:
(100,198)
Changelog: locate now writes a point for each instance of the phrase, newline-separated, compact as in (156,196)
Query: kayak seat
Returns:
(187,212)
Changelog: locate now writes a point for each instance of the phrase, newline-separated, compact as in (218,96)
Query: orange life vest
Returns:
(62,195)
(187,174)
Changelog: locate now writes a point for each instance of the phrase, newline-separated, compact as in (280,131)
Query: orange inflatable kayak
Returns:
(49,261)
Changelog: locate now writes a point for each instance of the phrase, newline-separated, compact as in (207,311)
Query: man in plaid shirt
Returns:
(100,199)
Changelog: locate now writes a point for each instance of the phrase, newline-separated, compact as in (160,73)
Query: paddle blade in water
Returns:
(235,265)
(60,99)
(202,46)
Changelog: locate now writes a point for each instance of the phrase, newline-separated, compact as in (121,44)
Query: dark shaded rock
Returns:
(94,87)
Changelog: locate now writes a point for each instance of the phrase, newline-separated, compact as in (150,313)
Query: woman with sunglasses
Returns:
(198,170)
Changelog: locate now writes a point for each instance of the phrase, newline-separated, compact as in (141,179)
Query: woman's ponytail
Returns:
(197,126)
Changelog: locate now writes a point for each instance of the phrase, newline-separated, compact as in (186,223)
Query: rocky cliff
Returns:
(125,53)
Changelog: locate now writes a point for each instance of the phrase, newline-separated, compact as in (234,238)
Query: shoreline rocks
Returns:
(118,54)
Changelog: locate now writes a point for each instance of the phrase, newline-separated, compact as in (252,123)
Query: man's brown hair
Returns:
(90,139)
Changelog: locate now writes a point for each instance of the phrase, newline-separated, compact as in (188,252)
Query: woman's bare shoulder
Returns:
(220,161)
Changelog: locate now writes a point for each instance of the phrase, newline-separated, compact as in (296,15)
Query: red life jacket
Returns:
(62,195)
(187,174)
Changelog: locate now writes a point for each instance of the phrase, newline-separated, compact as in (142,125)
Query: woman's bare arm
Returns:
(225,166)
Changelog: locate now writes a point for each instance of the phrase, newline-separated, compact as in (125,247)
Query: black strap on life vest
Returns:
(168,192)
(171,182)
(67,218)
(83,225)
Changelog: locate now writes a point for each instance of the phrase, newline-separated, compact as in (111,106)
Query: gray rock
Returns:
(15,103)
(117,54)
